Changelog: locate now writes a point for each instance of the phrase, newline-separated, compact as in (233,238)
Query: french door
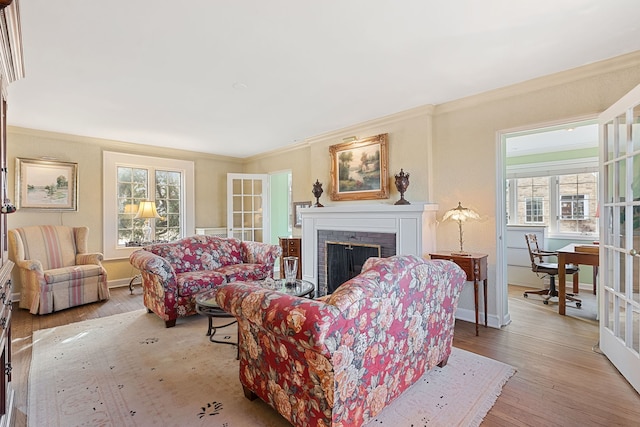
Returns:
(620,235)
(248,207)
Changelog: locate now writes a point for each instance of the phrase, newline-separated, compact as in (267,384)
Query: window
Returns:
(130,179)
(532,196)
(134,184)
(566,203)
(534,208)
(573,207)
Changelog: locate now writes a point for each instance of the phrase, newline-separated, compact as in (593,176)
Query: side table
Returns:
(475,265)
(207,305)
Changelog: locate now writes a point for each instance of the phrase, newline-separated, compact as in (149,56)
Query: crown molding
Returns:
(123,146)
(422,111)
(276,151)
(11,60)
(551,80)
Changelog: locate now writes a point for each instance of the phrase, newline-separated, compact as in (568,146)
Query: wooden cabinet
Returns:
(475,266)
(291,246)
(11,69)
(6,391)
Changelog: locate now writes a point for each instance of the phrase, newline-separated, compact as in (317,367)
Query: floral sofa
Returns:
(172,273)
(339,360)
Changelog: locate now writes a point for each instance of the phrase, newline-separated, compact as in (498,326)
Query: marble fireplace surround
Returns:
(414,227)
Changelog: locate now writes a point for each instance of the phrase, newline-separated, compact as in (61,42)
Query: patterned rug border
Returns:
(136,390)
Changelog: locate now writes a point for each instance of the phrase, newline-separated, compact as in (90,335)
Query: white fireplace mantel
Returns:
(414,226)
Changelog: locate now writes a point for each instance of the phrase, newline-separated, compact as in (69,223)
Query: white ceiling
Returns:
(242,77)
(572,136)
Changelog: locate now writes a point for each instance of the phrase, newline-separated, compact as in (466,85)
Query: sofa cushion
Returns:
(192,282)
(73,273)
(245,272)
(199,253)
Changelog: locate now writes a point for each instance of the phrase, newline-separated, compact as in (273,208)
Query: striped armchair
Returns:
(56,272)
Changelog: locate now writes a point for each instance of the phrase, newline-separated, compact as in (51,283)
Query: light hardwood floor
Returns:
(561,379)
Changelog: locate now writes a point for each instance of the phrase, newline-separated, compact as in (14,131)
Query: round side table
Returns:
(206,305)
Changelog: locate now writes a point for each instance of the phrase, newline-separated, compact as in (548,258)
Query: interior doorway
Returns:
(548,185)
(280,201)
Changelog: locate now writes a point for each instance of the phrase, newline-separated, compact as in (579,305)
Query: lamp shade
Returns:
(147,209)
(460,213)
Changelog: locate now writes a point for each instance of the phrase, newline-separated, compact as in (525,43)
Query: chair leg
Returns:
(539,292)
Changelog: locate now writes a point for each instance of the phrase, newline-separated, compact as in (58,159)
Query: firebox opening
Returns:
(345,260)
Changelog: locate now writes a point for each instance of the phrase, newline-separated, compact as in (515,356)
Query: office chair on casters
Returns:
(540,267)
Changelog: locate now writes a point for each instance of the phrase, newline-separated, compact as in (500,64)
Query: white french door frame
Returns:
(248,208)
(619,238)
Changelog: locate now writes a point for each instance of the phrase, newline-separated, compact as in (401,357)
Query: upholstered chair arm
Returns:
(30,264)
(304,322)
(85,259)
(260,253)
(152,264)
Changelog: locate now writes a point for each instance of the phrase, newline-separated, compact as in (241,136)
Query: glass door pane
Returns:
(247,216)
(620,236)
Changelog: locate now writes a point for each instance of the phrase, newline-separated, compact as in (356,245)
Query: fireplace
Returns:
(403,230)
(344,261)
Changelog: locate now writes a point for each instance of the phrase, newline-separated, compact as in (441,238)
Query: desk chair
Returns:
(540,267)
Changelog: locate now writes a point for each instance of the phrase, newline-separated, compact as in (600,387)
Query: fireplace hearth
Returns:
(402,230)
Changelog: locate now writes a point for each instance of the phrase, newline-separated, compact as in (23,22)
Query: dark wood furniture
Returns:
(6,389)
(291,246)
(11,69)
(475,265)
(541,266)
(574,254)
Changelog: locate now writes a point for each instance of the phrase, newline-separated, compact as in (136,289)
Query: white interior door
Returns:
(248,215)
(620,235)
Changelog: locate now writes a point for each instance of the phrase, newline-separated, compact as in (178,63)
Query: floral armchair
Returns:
(173,273)
(55,269)
(339,360)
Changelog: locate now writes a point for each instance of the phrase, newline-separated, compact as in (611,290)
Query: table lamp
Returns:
(147,210)
(460,214)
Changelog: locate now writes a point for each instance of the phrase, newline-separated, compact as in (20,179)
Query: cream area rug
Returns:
(129,370)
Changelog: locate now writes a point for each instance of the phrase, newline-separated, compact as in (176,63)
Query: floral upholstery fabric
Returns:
(55,269)
(339,360)
(172,273)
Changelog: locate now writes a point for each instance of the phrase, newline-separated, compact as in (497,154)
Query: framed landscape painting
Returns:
(45,184)
(359,169)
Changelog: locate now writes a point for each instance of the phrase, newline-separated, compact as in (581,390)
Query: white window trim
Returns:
(110,162)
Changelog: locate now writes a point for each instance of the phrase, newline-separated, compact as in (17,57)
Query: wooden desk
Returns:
(475,265)
(585,255)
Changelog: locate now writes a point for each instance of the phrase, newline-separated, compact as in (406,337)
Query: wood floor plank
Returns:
(560,379)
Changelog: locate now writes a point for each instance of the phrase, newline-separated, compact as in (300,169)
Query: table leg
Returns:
(475,295)
(562,289)
(485,302)
(133,279)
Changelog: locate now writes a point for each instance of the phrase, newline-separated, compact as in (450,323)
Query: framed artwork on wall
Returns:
(46,184)
(359,169)
(297,217)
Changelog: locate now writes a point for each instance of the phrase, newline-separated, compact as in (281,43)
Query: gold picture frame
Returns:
(46,184)
(359,169)
(297,216)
